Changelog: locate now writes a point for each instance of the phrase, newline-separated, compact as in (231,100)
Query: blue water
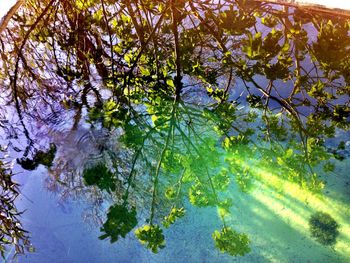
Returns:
(63,216)
(60,234)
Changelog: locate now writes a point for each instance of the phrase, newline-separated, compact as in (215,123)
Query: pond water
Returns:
(174,131)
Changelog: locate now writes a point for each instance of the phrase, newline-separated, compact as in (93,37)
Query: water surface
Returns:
(189,131)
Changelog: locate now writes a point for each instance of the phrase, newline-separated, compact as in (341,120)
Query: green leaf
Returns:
(170,83)
(289,153)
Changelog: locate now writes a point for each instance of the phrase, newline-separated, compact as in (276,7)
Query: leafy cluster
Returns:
(100,176)
(175,213)
(231,242)
(40,157)
(151,236)
(120,221)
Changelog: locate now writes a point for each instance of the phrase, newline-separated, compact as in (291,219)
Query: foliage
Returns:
(231,242)
(11,229)
(40,157)
(151,236)
(175,213)
(323,228)
(201,195)
(120,221)
(100,176)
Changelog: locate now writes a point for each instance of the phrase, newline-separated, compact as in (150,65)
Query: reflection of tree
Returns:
(11,229)
(175,158)
(152,57)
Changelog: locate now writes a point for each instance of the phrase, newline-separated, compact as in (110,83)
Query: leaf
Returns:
(280,161)
(145,71)
(289,153)
(170,83)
